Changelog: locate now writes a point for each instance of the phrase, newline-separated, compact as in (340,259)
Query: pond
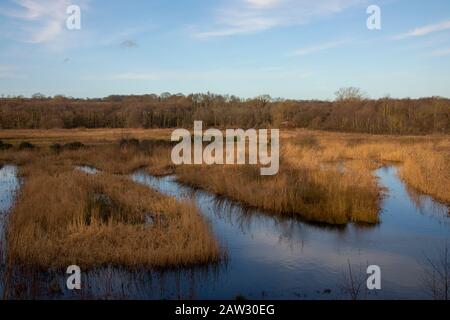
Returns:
(277,258)
(271,257)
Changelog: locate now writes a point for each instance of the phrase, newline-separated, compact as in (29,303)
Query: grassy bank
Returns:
(324,177)
(424,162)
(328,177)
(318,195)
(64,217)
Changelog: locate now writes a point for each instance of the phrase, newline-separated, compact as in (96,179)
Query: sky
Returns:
(295,49)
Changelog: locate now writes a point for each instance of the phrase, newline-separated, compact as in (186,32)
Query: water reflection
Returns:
(287,258)
(87,169)
(272,257)
(9,184)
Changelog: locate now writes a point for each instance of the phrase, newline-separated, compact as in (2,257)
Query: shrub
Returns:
(74,146)
(56,147)
(26,146)
(5,146)
(129,142)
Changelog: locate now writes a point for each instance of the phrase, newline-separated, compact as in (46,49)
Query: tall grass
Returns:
(324,177)
(154,156)
(424,162)
(64,217)
(325,196)
(328,177)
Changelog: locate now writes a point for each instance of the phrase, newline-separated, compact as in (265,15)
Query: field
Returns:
(63,215)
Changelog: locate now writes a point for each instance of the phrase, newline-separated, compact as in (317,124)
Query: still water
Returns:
(273,258)
(289,259)
(9,184)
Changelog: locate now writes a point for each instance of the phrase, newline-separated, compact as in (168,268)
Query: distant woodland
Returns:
(350,112)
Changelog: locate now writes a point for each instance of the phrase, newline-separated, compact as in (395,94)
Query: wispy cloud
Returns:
(10,72)
(440,52)
(39,21)
(136,76)
(206,75)
(264,3)
(252,16)
(425,30)
(318,47)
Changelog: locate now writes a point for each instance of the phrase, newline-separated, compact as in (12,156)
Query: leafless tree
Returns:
(350,94)
(437,277)
(353,282)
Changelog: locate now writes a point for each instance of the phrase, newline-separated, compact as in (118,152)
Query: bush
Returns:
(5,146)
(129,143)
(74,146)
(26,146)
(56,147)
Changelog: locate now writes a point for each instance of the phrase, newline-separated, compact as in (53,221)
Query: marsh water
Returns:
(274,258)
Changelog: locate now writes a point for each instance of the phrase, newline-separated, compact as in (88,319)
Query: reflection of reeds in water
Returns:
(111,283)
(436,278)
(235,213)
(425,203)
(353,283)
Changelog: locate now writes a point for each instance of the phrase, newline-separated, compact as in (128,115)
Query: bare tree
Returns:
(350,94)
(353,282)
(437,278)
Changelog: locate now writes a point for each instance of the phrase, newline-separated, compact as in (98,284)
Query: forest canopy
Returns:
(350,112)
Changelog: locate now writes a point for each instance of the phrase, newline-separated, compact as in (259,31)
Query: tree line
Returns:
(350,112)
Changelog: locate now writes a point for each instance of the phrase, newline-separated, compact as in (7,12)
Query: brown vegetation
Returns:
(327,177)
(326,196)
(424,161)
(65,217)
(324,177)
(351,112)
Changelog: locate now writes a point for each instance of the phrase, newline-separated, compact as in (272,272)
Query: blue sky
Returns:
(299,49)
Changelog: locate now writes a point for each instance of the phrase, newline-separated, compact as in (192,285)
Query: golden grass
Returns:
(154,157)
(328,177)
(64,217)
(89,136)
(324,177)
(325,196)
(424,161)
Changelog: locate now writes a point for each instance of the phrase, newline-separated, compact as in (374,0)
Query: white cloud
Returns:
(319,47)
(425,30)
(40,21)
(264,3)
(252,16)
(240,26)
